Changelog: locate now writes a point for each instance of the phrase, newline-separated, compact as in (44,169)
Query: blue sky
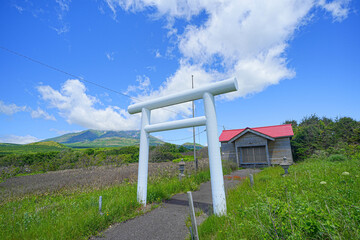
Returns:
(291,58)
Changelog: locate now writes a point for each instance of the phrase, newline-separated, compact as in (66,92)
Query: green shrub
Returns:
(332,135)
(185,158)
(164,153)
(336,158)
(158,156)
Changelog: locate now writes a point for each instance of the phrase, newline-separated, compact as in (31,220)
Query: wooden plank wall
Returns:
(250,139)
(278,149)
(228,152)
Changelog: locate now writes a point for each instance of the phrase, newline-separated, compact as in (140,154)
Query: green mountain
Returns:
(189,145)
(96,138)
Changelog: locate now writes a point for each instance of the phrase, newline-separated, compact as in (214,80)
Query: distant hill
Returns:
(49,146)
(47,143)
(189,145)
(96,138)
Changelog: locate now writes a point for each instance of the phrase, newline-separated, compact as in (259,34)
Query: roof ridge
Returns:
(274,125)
(257,127)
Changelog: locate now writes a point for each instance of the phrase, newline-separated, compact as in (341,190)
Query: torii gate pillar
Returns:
(207,93)
(143,157)
(216,173)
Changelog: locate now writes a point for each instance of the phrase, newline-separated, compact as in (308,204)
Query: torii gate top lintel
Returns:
(214,89)
(207,93)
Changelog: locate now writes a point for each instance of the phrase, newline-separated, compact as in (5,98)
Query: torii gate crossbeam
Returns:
(207,93)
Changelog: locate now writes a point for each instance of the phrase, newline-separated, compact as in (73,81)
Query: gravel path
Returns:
(168,220)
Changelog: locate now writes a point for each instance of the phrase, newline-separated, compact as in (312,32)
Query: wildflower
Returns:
(345,173)
(322,182)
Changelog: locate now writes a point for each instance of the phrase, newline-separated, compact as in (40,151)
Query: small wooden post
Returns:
(192,215)
(251,177)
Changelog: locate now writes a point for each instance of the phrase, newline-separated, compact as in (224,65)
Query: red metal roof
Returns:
(271,131)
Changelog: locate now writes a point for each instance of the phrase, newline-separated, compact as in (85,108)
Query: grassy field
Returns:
(320,199)
(8,148)
(105,142)
(72,213)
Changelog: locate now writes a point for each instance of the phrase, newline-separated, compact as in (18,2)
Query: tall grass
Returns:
(74,215)
(318,200)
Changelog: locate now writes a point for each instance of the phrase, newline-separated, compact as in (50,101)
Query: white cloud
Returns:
(151,68)
(39,113)
(62,29)
(79,108)
(110,56)
(18,139)
(53,14)
(143,84)
(157,54)
(112,5)
(247,39)
(338,8)
(63,8)
(10,109)
(64,5)
(62,132)
(19,8)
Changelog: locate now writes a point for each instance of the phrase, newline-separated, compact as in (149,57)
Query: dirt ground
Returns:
(93,177)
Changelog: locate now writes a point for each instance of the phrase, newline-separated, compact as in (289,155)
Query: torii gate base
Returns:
(207,93)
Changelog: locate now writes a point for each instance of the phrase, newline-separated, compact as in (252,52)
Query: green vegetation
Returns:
(184,158)
(190,146)
(314,134)
(48,143)
(105,142)
(319,199)
(74,215)
(15,164)
(8,148)
(26,163)
(167,152)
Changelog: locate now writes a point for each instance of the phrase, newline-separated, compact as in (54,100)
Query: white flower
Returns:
(322,182)
(345,173)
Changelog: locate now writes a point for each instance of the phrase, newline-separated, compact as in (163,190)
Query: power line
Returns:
(64,72)
(174,140)
(73,75)
(80,78)
(93,83)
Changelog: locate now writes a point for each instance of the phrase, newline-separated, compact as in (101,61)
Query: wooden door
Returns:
(253,154)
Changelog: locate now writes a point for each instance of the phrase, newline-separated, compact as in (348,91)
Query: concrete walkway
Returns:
(168,220)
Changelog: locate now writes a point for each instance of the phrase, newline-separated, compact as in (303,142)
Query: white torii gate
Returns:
(207,93)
